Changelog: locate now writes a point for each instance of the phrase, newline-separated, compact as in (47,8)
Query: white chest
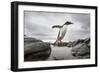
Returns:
(63,30)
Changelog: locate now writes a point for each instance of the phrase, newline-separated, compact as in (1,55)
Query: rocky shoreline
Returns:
(37,50)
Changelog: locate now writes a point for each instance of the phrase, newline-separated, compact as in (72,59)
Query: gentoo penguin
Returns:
(62,31)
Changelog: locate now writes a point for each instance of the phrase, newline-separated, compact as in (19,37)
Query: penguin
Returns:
(62,31)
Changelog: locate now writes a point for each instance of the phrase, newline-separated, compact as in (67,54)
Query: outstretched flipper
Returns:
(56,26)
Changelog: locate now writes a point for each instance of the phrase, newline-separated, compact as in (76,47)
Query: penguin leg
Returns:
(56,42)
(60,40)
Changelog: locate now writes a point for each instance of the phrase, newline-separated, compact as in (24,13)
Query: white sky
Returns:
(39,25)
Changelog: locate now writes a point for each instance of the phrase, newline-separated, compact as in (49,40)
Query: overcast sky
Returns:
(39,25)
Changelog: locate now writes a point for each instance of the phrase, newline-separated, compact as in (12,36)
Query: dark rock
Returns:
(82,50)
(36,47)
(62,44)
(72,43)
(39,56)
(69,44)
(31,40)
(36,50)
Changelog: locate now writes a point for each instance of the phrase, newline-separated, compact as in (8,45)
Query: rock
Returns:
(36,47)
(31,40)
(82,50)
(69,44)
(39,56)
(36,50)
(62,44)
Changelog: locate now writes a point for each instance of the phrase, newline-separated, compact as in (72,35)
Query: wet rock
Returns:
(70,43)
(31,40)
(36,50)
(82,50)
(62,44)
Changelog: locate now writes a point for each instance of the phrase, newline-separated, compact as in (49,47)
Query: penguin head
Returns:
(68,23)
